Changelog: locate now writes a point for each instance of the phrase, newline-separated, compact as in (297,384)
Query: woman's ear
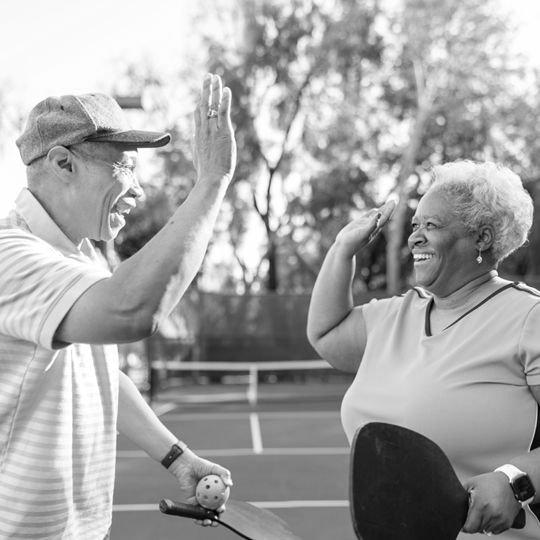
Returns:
(485,238)
(61,162)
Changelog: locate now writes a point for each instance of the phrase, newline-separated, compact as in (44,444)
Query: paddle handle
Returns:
(519,522)
(186,510)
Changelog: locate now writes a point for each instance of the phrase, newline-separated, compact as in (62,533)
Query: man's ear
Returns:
(61,161)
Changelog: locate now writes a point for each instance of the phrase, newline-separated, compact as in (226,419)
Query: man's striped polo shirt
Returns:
(58,402)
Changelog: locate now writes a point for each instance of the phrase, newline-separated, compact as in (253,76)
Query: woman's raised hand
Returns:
(362,231)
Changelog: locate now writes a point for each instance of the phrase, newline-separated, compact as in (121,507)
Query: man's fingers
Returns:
(223,473)
(207,89)
(214,98)
(194,155)
(204,101)
(197,112)
(217,92)
(224,112)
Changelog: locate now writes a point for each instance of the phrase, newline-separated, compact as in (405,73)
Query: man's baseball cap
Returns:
(68,120)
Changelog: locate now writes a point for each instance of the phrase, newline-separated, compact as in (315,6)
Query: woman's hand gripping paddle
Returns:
(403,487)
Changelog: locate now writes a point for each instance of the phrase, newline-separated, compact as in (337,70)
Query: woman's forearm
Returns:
(332,299)
(336,329)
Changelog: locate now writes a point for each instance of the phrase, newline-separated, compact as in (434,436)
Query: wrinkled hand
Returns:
(363,230)
(492,505)
(189,469)
(213,145)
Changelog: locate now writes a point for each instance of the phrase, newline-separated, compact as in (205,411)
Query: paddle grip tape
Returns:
(186,510)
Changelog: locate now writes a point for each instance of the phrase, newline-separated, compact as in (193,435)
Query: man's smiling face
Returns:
(109,190)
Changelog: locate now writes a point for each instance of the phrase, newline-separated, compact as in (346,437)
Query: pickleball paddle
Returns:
(403,487)
(246,520)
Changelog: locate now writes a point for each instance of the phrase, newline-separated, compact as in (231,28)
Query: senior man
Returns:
(62,395)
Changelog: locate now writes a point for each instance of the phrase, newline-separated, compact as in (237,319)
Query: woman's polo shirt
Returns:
(466,387)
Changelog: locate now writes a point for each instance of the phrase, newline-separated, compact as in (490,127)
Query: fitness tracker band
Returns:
(175,452)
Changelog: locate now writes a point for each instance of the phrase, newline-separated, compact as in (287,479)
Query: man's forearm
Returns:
(138,422)
(131,304)
(152,281)
(136,299)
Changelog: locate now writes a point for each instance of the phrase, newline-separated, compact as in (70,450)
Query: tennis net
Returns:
(249,382)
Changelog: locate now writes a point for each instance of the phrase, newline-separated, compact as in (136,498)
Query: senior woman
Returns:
(456,358)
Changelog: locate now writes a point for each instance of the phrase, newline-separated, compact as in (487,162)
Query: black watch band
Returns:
(174,453)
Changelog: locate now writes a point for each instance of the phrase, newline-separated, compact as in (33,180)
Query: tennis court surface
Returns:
(287,453)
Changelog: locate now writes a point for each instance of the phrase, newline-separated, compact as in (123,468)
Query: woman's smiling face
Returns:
(444,251)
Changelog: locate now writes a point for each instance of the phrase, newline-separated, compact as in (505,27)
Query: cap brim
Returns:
(139,139)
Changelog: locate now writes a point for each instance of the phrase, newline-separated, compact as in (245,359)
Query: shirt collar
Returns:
(42,226)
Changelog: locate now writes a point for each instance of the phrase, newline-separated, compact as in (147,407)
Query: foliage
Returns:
(336,103)
(297,63)
(454,83)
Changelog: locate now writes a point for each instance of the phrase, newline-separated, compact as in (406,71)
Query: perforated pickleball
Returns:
(212,492)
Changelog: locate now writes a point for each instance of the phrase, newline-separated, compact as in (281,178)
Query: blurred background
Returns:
(337,105)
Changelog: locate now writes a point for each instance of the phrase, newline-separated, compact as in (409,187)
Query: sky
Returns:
(56,47)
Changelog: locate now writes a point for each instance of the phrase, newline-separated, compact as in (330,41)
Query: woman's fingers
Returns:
(382,216)
(386,212)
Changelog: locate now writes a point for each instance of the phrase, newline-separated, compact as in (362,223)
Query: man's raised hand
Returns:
(214,146)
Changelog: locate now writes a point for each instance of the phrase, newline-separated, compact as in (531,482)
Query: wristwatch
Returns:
(520,483)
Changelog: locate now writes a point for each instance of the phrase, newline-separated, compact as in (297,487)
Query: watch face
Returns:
(523,488)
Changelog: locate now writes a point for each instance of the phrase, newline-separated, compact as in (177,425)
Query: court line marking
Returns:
(243,415)
(165,408)
(301,504)
(256,437)
(134,507)
(259,504)
(211,398)
(241,452)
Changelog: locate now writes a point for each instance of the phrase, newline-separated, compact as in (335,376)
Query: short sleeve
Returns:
(529,346)
(376,311)
(38,286)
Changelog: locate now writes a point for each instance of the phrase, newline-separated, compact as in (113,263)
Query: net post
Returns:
(253,383)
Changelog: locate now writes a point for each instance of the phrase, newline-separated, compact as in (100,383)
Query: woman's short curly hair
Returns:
(486,193)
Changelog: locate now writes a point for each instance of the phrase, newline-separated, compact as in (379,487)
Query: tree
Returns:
(337,103)
(452,66)
(293,57)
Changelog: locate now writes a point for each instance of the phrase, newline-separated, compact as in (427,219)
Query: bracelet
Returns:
(175,452)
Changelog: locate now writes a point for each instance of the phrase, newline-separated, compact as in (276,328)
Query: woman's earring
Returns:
(479,258)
